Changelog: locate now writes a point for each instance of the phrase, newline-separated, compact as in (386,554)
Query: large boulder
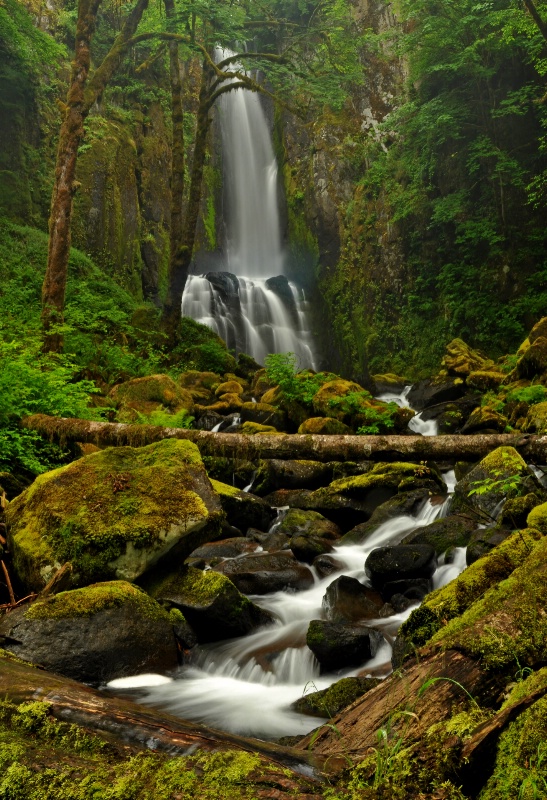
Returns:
(534,361)
(276,473)
(104,631)
(337,645)
(211,603)
(483,488)
(460,359)
(243,509)
(113,514)
(403,562)
(262,573)
(328,400)
(325,426)
(536,419)
(201,385)
(144,395)
(485,419)
(348,600)
(432,391)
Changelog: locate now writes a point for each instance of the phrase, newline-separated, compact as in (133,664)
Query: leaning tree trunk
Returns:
(72,131)
(291,446)
(80,99)
(182,257)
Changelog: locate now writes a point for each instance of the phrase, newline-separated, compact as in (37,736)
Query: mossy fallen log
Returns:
(290,446)
(124,721)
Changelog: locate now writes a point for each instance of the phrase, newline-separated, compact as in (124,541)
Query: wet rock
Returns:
(270,541)
(389,382)
(327,703)
(348,600)
(263,414)
(431,392)
(113,514)
(306,547)
(483,541)
(226,548)
(184,633)
(406,503)
(212,604)
(262,573)
(452,531)
(406,592)
(209,420)
(485,420)
(280,286)
(326,565)
(450,417)
(325,426)
(243,509)
(227,284)
(516,510)
(104,631)
(298,521)
(338,645)
(400,562)
(275,474)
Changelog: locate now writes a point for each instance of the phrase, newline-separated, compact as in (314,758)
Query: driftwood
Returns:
(290,446)
(139,726)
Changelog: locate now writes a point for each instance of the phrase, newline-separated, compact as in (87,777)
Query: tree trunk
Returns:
(177,165)
(139,725)
(80,99)
(291,446)
(182,257)
(534,13)
(70,137)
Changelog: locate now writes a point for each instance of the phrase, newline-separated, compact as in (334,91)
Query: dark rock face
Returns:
(307,547)
(226,548)
(484,540)
(337,645)
(405,503)
(96,647)
(267,572)
(280,286)
(269,541)
(348,600)
(275,474)
(400,562)
(429,392)
(326,565)
(405,592)
(245,510)
(209,420)
(452,531)
(263,414)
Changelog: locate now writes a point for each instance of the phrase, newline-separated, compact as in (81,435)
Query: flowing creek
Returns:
(247,685)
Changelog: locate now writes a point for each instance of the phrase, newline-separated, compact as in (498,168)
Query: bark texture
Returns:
(291,446)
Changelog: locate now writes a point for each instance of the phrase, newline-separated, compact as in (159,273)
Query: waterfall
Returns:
(250,304)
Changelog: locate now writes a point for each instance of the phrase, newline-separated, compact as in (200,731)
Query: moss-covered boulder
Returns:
(311,534)
(275,474)
(452,531)
(328,400)
(533,362)
(326,703)
(211,603)
(485,419)
(201,385)
(325,426)
(390,382)
(485,380)
(487,484)
(460,359)
(536,419)
(537,518)
(243,509)
(263,414)
(229,387)
(144,395)
(113,514)
(254,428)
(104,631)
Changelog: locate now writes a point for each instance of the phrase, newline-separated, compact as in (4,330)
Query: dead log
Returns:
(139,726)
(290,446)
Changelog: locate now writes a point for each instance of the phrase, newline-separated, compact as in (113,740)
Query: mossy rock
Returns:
(389,382)
(211,603)
(325,399)
(460,595)
(263,414)
(488,476)
(194,379)
(275,474)
(485,419)
(113,514)
(460,359)
(229,387)
(536,419)
(104,631)
(298,521)
(160,390)
(325,426)
(273,396)
(326,703)
(485,380)
(452,531)
(233,401)
(537,518)
(243,509)
(533,362)
(254,428)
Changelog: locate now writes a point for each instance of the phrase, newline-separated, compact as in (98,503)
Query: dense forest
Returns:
(273,399)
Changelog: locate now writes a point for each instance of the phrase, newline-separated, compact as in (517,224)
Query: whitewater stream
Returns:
(247,685)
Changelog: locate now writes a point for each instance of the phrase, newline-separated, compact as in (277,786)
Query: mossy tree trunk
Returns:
(80,98)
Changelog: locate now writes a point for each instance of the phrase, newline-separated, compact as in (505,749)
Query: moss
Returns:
(328,702)
(160,389)
(455,598)
(253,428)
(93,599)
(537,518)
(388,474)
(324,425)
(91,511)
(199,587)
(43,759)
(507,625)
(223,489)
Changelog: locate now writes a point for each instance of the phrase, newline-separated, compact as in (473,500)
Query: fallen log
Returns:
(127,722)
(288,445)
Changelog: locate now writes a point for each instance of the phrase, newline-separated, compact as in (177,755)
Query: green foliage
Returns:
(350,403)
(527,394)
(508,485)
(160,416)
(378,421)
(281,370)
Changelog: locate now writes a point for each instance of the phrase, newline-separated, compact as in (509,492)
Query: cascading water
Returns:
(247,685)
(251,304)
(416,424)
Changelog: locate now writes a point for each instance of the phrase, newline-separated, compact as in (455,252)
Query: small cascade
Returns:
(251,304)
(416,424)
(247,685)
